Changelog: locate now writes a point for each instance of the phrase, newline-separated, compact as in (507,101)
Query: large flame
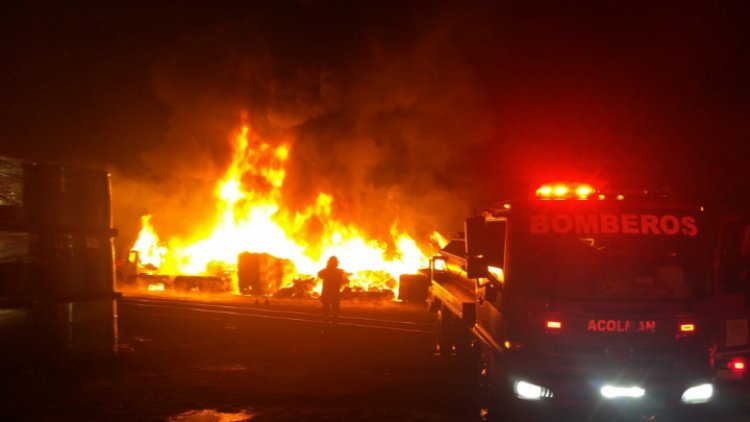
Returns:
(250,219)
(150,251)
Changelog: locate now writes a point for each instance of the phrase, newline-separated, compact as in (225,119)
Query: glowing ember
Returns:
(250,219)
(156,287)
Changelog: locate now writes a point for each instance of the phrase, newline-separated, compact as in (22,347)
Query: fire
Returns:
(250,219)
(150,252)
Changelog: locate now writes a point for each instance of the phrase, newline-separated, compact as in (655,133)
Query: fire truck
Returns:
(730,223)
(577,296)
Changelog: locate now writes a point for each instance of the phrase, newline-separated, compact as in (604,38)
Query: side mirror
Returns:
(476,261)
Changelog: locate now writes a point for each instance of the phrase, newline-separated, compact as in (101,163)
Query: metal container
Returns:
(261,274)
(15,330)
(16,197)
(75,265)
(18,264)
(49,334)
(72,199)
(75,219)
(75,328)
(248,273)
(413,287)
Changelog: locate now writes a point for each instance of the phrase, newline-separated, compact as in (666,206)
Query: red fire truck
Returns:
(579,296)
(731,293)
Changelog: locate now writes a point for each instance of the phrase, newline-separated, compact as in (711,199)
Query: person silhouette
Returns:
(333,279)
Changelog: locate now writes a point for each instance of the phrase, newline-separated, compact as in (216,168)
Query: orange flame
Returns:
(250,219)
(150,251)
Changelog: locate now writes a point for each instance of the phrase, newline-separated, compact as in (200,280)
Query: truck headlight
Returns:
(613,392)
(528,391)
(698,394)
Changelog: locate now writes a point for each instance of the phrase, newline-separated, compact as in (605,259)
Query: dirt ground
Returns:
(180,366)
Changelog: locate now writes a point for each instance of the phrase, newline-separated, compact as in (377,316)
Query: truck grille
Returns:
(611,357)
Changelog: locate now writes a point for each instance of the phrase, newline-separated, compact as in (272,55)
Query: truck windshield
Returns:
(637,264)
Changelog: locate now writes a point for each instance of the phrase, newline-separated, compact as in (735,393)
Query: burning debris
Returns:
(301,288)
(259,274)
(257,246)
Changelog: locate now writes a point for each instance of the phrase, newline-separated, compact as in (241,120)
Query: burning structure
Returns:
(256,245)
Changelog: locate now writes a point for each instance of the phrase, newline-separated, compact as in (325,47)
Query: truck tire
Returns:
(496,399)
(453,337)
(444,341)
(461,338)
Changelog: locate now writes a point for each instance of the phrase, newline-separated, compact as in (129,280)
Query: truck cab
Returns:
(578,297)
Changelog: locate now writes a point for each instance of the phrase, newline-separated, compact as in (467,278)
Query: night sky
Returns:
(415,110)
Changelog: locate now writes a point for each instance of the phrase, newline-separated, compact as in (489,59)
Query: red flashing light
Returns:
(687,328)
(553,325)
(544,191)
(584,191)
(560,190)
(737,365)
(565,191)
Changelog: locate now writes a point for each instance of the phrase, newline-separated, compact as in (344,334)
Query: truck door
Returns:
(732,269)
(489,288)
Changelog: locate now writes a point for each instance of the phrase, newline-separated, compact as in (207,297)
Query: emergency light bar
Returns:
(565,191)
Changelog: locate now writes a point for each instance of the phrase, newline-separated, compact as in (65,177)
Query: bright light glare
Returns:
(698,394)
(529,391)
(565,191)
(440,265)
(555,325)
(584,191)
(560,190)
(544,191)
(612,392)
(157,287)
(687,328)
(497,272)
(737,364)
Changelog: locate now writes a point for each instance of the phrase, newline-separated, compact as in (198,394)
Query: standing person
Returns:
(333,279)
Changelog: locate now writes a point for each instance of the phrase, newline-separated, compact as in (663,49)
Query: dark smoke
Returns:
(416,110)
(387,122)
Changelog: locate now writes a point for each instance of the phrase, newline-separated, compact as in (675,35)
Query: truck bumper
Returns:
(616,386)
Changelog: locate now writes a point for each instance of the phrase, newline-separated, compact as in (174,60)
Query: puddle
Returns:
(209,415)
(221,368)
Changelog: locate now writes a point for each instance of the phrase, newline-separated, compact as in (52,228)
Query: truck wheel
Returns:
(496,399)
(461,338)
(444,331)
(488,408)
